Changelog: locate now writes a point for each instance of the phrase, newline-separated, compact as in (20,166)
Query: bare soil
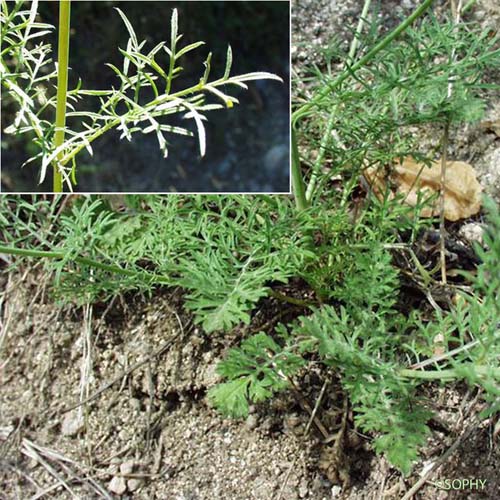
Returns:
(147,430)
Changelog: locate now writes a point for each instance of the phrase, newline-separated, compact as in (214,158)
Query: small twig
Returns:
(440,461)
(29,450)
(456,12)
(306,432)
(125,373)
(446,355)
(307,407)
(442,246)
(291,300)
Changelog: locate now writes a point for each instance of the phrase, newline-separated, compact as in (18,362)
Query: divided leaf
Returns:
(224,290)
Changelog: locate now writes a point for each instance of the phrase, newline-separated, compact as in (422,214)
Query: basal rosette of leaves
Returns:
(229,254)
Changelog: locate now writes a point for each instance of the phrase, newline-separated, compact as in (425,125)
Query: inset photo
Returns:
(145,97)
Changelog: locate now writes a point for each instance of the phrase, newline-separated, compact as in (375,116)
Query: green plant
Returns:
(429,74)
(126,108)
(229,254)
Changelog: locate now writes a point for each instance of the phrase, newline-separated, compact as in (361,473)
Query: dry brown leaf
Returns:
(492,125)
(462,196)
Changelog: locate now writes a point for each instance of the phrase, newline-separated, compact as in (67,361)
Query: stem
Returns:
(163,280)
(291,300)
(449,374)
(442,229)
(468,5)
(297,180)
(331,121)
(62,85)
(444,157)
(173,44)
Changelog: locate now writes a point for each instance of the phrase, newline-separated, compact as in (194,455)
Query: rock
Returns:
(251,422)
(336,491)
(134,484)
(303,489)
(72,424)
(472,232)
(127,467)
(117,485)
(135,404)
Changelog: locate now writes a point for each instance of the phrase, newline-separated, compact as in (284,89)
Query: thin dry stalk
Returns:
(456,10)
(441,460)
(306,432)
(50,459)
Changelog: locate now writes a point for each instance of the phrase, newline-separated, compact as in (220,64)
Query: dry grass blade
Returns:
(306,433)
(128,371)
(55,463)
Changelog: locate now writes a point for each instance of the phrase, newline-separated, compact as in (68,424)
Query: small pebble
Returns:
(336,491)
(72,424)
(135,404)
(251,422)
(472,232)
(134,484)
(303,489)
(117,485)
(127,467)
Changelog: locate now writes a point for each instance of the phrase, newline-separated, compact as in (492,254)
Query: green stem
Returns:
(297,180)
(162,280)
(468,5)
(127,117)
(331,120)
(449,374)
(62,85)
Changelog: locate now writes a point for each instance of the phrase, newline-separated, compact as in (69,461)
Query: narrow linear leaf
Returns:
(188,48)
(228,100)
(229,62)
(173,29)
(199,126)
(206,74)
(129,27)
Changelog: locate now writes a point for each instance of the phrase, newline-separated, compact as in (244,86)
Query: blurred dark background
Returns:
(247,146)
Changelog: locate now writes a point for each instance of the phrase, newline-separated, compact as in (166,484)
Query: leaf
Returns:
(125,79)
(228,100)
(193,113)
(188,48)
(151,62)
(258,75)
(231,397)
(126,60)
(222,297)
(229,62)
(173,30)
(129,27)
(416,181)
(206,74)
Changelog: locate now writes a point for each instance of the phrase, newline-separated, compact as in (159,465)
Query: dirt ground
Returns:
(148,432)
